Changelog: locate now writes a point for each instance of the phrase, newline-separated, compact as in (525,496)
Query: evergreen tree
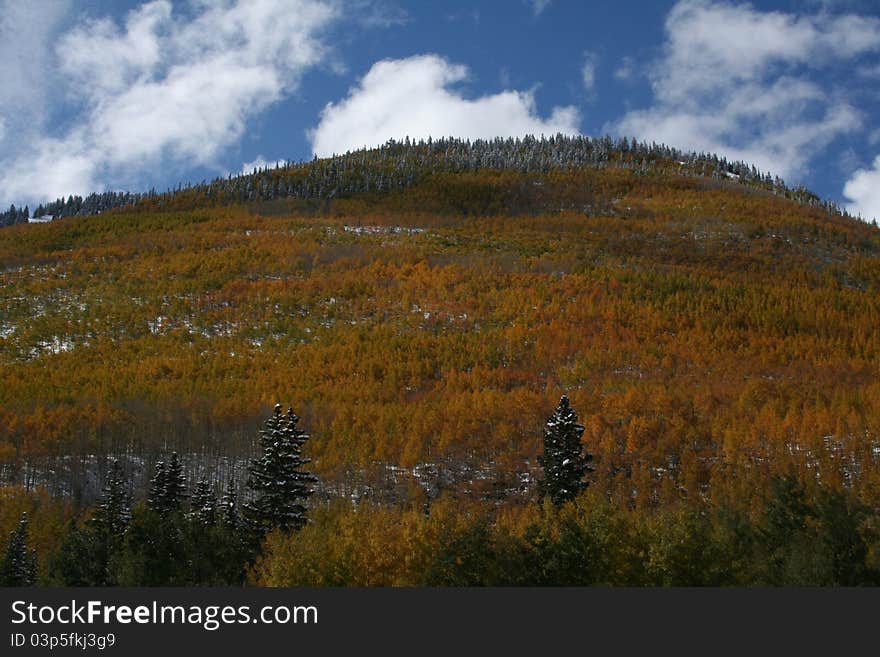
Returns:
(72,562)
(175,485)
(280,485)
(564,462)
(105,531)
(113,512)
(155,551)
(229,506)
(158,484)
(203,509)
(167,487)
(786,510)
(85,555)
(19,567)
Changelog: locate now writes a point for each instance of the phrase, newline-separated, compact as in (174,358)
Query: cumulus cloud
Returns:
(166,87)
(863,192)
(415,97)
(736,80)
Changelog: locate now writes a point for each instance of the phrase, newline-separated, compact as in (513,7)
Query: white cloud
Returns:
(863,192)
(538,6)
(415,97)
(100,58)
(193,112)
(56,168)
(25,29)
(260,162)
(588,71)
(166,87)
(736,81)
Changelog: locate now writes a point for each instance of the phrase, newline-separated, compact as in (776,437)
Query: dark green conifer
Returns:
(280,485)
(19,567)
(564,461)
(113,513)
(229,506)
(158,484)
(203,507)
(167,487)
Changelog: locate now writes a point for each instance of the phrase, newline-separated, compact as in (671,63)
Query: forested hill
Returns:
(398,165)
(430,321)
(423,309)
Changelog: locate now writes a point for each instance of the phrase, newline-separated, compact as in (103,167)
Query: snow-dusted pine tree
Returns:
(203,506)
(564,461)
(229,506)
(280,485)
(167,487)
(113,513)
(175,485)
(156,496)
(19,567)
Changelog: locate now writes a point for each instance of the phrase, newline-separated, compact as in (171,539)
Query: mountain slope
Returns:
(710,331)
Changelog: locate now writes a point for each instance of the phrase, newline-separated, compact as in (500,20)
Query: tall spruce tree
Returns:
(203,506)
(86,553)
(113,513)
(156,495)
(105,531)
(564,461)
(175,484)
(167,487)
(229,506)
(19,567)
(279,484)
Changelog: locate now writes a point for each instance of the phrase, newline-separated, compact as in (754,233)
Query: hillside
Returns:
(712,334)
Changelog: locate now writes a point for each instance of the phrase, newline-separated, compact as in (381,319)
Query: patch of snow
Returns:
(383,230)
(156,325)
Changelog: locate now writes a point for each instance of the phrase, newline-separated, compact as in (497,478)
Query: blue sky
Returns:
(131,95)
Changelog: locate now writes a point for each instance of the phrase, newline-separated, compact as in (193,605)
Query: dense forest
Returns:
(423,307)
(820,536)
